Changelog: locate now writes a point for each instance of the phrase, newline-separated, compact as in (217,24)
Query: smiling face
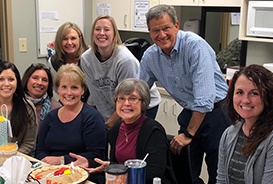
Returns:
(70,92)
(129,111)
(8,84)
(71,42)
(103,34)
(163,32)
(37,84)
(247,100)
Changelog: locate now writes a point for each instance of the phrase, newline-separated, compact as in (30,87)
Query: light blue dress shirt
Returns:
(190,74)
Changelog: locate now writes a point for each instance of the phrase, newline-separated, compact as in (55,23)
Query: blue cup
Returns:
(137,171)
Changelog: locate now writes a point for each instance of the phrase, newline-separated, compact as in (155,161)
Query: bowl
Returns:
(7,150)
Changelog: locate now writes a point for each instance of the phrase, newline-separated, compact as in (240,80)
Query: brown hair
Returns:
(263,79)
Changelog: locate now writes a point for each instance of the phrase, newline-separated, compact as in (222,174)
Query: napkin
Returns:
(15,170)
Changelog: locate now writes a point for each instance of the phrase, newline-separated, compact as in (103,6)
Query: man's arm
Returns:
(181,140)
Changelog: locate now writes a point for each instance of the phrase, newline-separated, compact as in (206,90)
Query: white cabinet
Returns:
(120,10)
(230,3)
(167,114)
(243,24)
(123,11)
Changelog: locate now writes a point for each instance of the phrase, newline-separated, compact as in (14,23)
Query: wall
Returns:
(24,26)
(259,53)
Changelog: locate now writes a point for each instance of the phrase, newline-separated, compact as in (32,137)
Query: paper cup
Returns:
(7,150)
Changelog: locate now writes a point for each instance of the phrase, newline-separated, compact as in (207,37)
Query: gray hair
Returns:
(129,85)
(158,11)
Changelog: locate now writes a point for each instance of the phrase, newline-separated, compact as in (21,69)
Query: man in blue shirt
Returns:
(186,66)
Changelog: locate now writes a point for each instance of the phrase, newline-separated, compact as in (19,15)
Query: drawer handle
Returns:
(124,21)
(165,106)
(173,109)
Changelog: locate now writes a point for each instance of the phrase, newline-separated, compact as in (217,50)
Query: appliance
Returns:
(259,22)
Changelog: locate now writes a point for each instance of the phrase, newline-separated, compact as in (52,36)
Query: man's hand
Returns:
(178,142)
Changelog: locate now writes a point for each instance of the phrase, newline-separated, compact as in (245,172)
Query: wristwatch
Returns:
(187,134)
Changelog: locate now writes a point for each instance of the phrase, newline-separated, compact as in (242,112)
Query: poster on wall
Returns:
(103,9)
(140,10)
(50,15)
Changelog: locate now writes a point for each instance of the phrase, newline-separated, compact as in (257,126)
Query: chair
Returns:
(137,46)
(182,164)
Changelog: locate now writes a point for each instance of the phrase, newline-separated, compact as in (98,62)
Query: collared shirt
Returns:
(190,74)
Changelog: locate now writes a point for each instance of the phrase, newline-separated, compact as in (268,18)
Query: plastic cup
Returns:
(137,171)
(7,150)
(116,174)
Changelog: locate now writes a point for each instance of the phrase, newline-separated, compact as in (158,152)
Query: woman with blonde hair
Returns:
(69,45)
(106,64)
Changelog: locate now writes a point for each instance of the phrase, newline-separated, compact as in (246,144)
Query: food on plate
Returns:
(61,174)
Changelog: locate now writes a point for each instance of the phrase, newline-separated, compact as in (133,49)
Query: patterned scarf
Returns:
(45,101)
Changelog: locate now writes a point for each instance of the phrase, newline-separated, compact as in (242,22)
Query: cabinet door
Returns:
(119,10)
(167,114)
(231,3)
(180,2)
(175,111)
(163,113)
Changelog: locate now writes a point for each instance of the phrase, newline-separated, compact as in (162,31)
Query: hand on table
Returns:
(83,162)
(178,142)
(52,160)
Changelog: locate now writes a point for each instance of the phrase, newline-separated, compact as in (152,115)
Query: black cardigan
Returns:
(151,139)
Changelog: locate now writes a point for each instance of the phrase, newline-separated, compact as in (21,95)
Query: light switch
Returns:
(22,45)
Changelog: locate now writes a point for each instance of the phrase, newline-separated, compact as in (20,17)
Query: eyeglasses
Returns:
(164,29)
(40,66)
(131,100)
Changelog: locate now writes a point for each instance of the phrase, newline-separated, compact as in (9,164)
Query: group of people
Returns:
(107,96)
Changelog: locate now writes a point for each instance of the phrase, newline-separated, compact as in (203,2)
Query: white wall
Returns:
(24,26)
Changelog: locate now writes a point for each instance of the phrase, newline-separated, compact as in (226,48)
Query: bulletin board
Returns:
(51,14)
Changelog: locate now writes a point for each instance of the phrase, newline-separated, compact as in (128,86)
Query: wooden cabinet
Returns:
(243,25)
(123,11)
(229,3)
(167,114)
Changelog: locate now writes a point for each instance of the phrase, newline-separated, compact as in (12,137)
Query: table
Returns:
(36,160)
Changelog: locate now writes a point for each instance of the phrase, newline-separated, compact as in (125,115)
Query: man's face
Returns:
(163,32)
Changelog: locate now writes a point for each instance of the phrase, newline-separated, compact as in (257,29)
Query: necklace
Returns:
(126,136)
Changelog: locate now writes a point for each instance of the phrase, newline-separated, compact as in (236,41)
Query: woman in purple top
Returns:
(136,135)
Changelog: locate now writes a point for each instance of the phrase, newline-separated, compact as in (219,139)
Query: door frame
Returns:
(6,33)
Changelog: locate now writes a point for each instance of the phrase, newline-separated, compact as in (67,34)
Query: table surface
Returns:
(36,160)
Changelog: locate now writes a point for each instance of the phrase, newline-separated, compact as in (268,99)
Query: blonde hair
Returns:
(117,40)
(71,71)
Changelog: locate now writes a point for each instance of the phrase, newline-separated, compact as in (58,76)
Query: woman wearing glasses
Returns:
(136,135)
(38,86)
